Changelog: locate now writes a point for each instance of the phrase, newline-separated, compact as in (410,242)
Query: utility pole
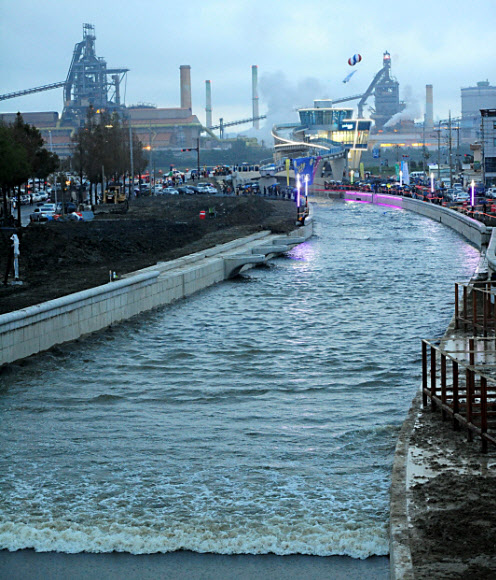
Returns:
(198,155)
(131,184)
(438,131)
(151,161)
(483,160)
(450,151)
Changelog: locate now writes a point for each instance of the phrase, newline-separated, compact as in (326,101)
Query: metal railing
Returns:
(475,307)
(461,388)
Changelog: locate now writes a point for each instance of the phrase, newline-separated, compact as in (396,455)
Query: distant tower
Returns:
(254,85)
(429,109)
(387,95)
(208,103)
(88,82)
(185,86)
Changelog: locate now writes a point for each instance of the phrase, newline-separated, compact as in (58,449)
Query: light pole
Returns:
(401,178)
(131,185)
(298,186)
(306,193)
(432,182)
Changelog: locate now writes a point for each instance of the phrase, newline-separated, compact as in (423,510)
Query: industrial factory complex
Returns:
(327,129)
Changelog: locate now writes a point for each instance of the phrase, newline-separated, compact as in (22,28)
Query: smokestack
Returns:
(117,89)
(185,86)
(254,86)
(208,103)
(429,110)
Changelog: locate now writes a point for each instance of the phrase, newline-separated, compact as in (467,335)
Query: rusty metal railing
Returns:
(460,388)
(475,307)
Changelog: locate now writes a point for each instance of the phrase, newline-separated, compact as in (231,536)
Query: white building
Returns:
(483,96)
(488,145)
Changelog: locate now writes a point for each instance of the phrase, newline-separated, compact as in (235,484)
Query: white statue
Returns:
(15,245)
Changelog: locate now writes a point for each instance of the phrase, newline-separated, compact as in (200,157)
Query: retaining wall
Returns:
(471,229)
(38,328)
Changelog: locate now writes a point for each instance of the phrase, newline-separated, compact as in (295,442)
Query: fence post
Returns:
(474,309)
(456,397)
(424,373)
(483,399)
(433,376)
(469,378)
(456,306)
(443,385)
(465,308)
(485,310)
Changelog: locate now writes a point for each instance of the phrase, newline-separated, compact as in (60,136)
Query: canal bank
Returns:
(37,328)
(442,507)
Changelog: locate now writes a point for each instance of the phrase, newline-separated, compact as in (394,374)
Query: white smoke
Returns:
(411,112)
(282,98)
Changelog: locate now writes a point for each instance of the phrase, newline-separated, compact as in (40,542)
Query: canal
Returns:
(258,416)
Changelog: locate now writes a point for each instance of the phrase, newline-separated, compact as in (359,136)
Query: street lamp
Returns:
(298,185)
(472,196)
(401,178)
(306,194)
(352,174)
(432,182)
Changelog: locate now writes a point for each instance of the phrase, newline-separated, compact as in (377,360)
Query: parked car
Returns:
(66,207)
(491,193)
(209,187)
(461,196)
(201,188)
(170,191)
(69,217)
(186,190)
(43,213)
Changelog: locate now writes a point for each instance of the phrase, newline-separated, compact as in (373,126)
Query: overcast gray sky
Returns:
(301,49)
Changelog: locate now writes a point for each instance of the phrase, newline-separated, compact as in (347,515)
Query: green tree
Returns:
(101,149)
(14,166)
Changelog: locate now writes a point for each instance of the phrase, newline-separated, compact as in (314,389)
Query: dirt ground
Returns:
(61,258)
(453,509)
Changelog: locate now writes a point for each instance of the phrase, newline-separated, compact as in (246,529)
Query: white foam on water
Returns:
(278,538)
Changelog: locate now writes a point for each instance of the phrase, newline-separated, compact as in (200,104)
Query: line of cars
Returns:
(199,188)
(29,198)
(55,212)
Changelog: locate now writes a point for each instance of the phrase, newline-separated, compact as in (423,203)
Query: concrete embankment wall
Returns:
(38,328)
(471,229)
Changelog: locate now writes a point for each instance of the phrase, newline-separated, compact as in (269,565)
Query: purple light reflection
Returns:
(383,204)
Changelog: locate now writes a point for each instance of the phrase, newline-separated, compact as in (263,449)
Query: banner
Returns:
(306,166)
(405,173)
(362,172)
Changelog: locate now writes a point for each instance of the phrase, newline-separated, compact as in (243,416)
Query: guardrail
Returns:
(461,388)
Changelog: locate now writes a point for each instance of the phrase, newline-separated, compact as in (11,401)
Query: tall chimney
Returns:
(185,86)
(429,110)
(208,103)
(254,87)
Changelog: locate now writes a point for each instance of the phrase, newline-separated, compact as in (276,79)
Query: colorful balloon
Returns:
(356,58)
